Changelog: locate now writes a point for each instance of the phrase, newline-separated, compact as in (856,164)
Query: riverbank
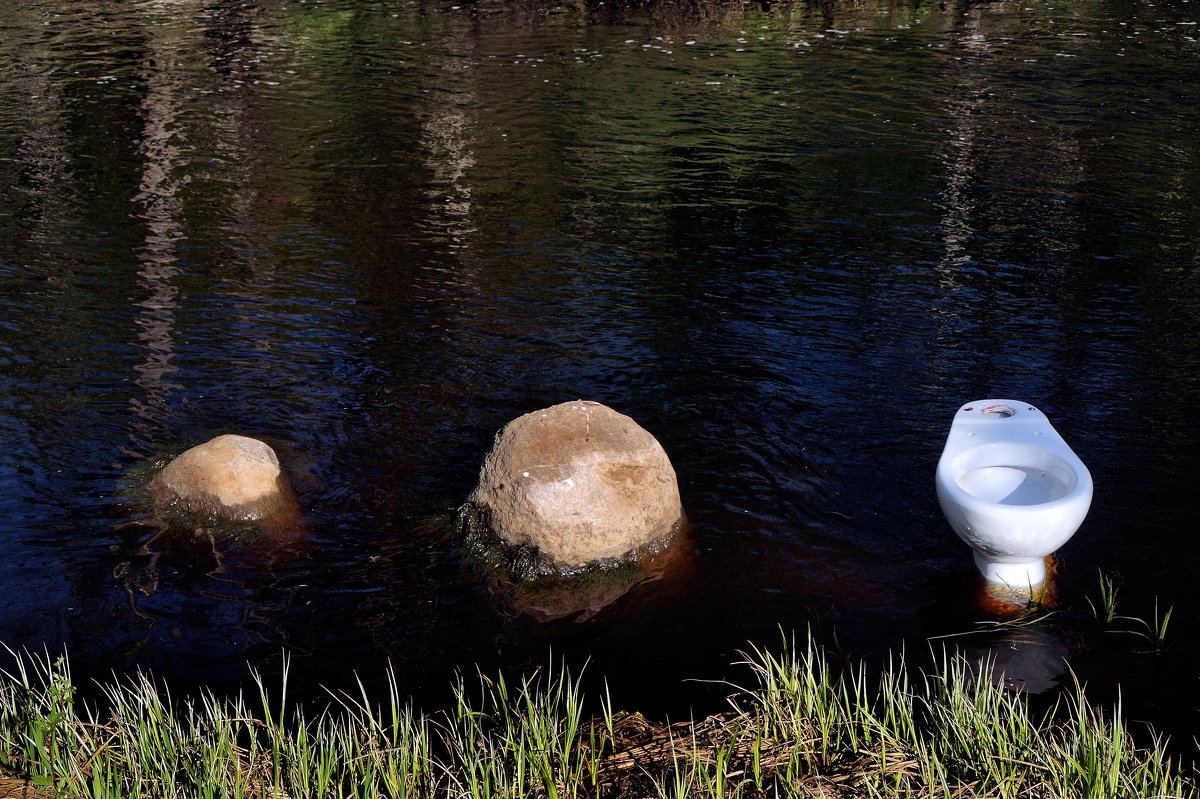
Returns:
(797,729)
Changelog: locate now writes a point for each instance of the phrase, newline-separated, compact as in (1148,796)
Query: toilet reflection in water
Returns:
(1014,638)
(1030,658)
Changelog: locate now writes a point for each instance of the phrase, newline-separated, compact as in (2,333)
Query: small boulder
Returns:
(230,477)
(579,482)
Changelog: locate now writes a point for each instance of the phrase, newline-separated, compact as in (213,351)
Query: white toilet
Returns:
(1011,488)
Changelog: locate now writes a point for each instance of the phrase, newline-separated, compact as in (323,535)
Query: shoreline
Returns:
(799,729)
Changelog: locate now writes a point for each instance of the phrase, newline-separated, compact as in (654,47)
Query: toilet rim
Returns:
(964,499)
(962,456)
(947,485)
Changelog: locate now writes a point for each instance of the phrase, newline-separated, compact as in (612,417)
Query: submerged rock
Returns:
(583,596)
(580,483)
(231,477)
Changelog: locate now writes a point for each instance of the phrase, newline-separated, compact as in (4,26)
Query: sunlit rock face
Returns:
(230,477)
(581,483)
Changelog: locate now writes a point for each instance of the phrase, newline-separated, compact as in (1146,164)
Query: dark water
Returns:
(788,241)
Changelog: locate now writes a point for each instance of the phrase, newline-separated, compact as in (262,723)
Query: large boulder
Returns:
(579,482)
(230,477)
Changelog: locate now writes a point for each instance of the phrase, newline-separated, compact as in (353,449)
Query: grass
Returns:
(1153,630)
(798,729)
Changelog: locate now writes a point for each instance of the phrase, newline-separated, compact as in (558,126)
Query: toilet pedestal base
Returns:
(1023,574)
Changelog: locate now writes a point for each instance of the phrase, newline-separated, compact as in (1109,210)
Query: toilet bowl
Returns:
(1011,488)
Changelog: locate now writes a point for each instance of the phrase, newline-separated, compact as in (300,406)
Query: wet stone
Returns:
(580,483)
(231,477)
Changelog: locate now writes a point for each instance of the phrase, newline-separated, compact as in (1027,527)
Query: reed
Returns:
(799,728)
(1152,630)
(1105,609)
